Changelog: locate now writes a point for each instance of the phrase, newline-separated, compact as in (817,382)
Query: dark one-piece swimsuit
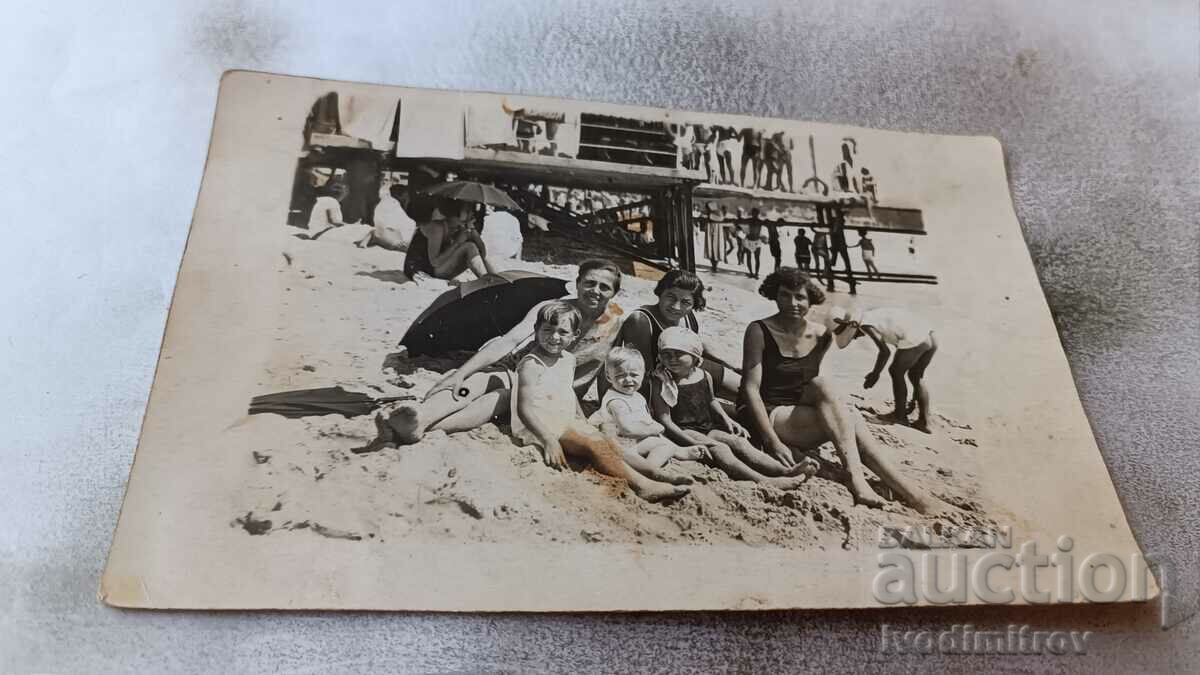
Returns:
(784,377)
(694,410)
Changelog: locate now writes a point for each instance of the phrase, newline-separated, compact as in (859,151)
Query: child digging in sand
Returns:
(625,417)
(915,345)
(545,411)
(684,403)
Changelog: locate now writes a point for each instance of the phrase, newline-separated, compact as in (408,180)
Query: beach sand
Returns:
(346,311)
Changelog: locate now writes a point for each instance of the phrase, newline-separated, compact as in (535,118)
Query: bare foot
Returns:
(672,478)
(922,425)
(785,482)
(384,437)
(895,417)
(807,467)
(405,422)
(653,491)
(694,453)
(863,494)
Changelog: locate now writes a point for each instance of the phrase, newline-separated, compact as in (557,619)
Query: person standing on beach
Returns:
(820,250)
(838,247)
(754,244)
(868,252)
(803,251)
(773,243)
(915,345)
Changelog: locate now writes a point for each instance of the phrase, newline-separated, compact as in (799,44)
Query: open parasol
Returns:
(471,191)
(465,317)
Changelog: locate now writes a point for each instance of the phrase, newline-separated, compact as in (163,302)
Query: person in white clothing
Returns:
(327,211)
(393,228)
(915,345)
(502,235)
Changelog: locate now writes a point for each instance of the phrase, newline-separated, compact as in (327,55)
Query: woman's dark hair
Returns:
(420,206)
(685,281)
(602,264)
(793,279)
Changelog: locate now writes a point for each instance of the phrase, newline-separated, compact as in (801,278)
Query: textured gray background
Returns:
(103,135)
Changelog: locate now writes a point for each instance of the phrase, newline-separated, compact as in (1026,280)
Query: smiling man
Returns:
(480,391)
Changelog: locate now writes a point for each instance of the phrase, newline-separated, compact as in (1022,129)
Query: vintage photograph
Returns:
(486,326)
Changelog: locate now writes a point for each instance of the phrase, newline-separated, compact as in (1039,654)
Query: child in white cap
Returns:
(683,401)
(915,345)
(625,417)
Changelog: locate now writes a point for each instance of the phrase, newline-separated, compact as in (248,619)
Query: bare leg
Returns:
(408,422)
(837,420)
(876,458)
(801,429)
(759,460)
(465,256)
(916,375)
(605,456)
(658,450)
(724,458)
(901,363)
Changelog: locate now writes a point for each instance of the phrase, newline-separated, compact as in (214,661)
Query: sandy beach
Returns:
(302,480)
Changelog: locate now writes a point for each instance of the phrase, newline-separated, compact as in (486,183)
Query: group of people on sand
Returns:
(665,395)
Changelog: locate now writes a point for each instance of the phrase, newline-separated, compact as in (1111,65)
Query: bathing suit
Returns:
(694,410)
(783,377)
(416,259)
(554,402)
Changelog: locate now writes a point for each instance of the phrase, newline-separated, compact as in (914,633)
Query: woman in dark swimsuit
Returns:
(445,245)
(786,405)
(680,294)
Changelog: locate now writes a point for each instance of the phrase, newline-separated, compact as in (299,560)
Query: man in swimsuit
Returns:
(479,391)
(838,247)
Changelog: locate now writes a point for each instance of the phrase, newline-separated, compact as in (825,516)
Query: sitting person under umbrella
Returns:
(445,244)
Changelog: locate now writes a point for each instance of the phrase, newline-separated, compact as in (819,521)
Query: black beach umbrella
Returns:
(322,401)
(471,191)
(465,317)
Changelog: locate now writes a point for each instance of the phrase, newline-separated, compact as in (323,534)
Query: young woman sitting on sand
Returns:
(787,406)
(446,245)
(680,296)
(478,392)
(545,411)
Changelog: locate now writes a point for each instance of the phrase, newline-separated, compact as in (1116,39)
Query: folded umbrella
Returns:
(322,401)
(465,317)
